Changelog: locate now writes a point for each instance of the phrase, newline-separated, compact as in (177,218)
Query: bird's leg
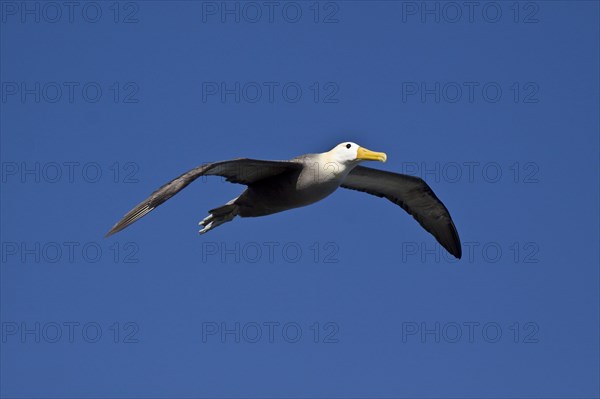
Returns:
(206,220)
(218,216)
(207,223)
(210,222)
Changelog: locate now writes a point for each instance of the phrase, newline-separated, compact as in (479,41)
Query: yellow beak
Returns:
(367,155)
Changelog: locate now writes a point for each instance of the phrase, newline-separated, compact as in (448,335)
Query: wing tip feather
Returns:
(453,246)
(131,217)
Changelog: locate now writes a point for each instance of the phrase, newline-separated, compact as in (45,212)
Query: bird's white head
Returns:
(349,152)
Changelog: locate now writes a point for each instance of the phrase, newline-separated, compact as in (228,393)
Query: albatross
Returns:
(276,186)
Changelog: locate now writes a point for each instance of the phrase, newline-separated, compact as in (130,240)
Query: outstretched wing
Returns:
(242,171)
(414,196)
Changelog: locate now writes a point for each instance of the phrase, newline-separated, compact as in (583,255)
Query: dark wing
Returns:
(414,196)
(242,171)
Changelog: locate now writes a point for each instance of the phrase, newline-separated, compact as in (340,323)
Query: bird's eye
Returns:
(348,145)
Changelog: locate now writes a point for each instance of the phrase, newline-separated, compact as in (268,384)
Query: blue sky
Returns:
(495,106)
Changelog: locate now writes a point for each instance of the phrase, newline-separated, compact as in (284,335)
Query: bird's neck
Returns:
(330,167)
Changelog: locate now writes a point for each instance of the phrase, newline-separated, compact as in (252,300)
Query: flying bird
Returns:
(276,186)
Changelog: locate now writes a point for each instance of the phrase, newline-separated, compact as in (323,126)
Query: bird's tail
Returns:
(218,216)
